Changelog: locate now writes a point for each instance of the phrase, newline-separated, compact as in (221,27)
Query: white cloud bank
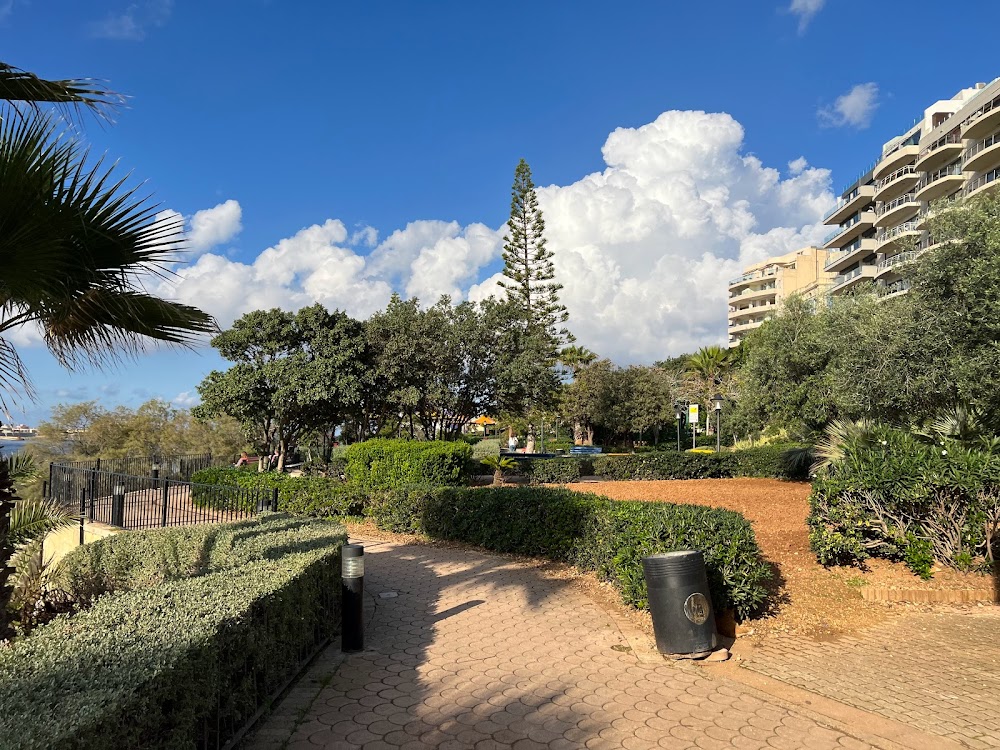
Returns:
(853,109)
(644,248)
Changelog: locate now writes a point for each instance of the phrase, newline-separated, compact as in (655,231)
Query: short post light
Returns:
(156,468)
(399,430)
(678,415)
(717,404)
(352,571)
(118,506)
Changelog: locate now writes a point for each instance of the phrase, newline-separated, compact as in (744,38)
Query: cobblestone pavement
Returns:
(937,672)
(476,651)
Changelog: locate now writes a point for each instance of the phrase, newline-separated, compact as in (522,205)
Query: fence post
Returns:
(274,499)
(45,490)
(118,505)
(52,471)
(83,511)
(163,518)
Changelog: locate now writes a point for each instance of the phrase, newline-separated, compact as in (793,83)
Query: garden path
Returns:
(470,650)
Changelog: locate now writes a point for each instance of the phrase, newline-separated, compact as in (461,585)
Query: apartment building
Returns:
(760,291)
(952,152)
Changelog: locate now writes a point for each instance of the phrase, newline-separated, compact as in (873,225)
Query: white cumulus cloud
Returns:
(644,248)
(213,226)
(854,109)
(134,22)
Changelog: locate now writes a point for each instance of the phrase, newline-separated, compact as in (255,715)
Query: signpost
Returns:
(693,420)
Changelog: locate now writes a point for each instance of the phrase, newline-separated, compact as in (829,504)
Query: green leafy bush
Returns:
(314,496)
(765,461)
(488,447)
(595,533)
(890,494)
(376,465)
(399,510)
(194,638)
(553,470)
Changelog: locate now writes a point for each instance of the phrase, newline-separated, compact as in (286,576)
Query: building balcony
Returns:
(890,240)
(943,151)
(850,204)
(897,210)
(754,308)
(746,326)
(749,278)
(852,278)
(893,264)
(895,159)
(858,250)
(753,294)
(982,183)
(944,181)
(983,154)
(893,289)
(854,227)
(896,183)
(983,121)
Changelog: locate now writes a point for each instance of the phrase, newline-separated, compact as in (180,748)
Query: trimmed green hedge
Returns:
(595,533)
(314,496)
(167,656)
(775,461)
(555,470)
(376,465)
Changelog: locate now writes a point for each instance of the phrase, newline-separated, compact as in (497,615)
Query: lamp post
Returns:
(717,403)
(156,469)
(678,414)
(399,430)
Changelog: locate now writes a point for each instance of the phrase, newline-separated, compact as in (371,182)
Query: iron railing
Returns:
(144,502)
(179,467)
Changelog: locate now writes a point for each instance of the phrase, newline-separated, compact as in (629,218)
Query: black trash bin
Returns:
(680,603)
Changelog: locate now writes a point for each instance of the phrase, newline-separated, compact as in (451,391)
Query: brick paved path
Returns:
(937,672)
(477,651)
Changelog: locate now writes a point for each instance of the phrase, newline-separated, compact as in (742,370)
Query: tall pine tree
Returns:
(535,328)
(528,264)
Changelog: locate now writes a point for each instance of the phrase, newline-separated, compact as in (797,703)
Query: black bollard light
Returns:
(118,506)
(352,569)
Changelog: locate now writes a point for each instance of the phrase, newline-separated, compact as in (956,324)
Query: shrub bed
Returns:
(377,465)
(204,625)
(555,470)
(595,533)
(891,495)
(315,496)
(774,461)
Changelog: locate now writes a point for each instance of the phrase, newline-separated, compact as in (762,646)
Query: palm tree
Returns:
(499,465)
(706,372)
(575,358)
(76,247)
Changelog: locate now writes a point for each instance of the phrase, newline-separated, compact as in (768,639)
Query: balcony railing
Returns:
(896,287)
(843,227)
(985,109)
(764,274)
(885,235)
(942,141)
(843,278)
(893,176)
(895,260)
(983,179)
(843,201)
(952,170)
(982,145)
(748,290)
(910,141)
(884,208)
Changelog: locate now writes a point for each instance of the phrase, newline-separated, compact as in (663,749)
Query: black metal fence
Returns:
(179,467)
(144,502)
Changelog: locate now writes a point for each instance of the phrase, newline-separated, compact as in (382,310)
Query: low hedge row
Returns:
(171,660)
(555,470)
(314,496)
(775,461)
(593,532)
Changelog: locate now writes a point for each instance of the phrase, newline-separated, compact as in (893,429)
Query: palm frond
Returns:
(21,467)
(31,519)
(72,94)
(841,435)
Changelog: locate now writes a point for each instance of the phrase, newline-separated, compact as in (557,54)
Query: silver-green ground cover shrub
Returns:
(200,625)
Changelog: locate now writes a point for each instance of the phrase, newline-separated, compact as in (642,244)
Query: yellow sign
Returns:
(693,414)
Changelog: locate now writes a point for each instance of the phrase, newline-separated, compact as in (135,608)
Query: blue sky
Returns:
(371,146)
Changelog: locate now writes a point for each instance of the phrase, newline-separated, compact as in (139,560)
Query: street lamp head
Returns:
(678,414)
(717,401)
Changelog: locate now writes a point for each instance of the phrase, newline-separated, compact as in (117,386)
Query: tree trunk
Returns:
(578,438)
(589,435)
(498,477)
(7,500)
(282,451)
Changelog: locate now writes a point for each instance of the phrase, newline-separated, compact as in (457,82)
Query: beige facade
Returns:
(952,152)
(763,287)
